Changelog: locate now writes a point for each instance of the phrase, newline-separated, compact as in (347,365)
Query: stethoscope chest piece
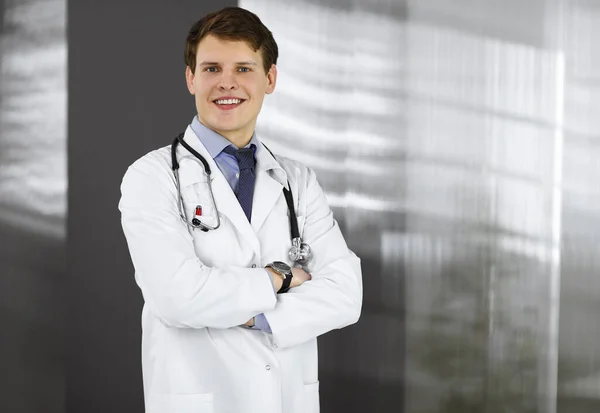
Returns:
(300,252)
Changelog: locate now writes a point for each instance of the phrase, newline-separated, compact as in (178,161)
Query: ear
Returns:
(189,79)
(271,79)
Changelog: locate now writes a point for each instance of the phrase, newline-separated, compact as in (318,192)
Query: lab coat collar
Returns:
(265,162)
(270,181)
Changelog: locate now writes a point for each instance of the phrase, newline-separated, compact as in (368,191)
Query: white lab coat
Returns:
(199,287)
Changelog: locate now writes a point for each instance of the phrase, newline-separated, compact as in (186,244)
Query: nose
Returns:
(227,81)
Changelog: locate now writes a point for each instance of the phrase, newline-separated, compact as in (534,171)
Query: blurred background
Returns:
(457,142)
(33,198)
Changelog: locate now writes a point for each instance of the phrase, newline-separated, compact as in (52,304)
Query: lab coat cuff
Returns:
(272,283)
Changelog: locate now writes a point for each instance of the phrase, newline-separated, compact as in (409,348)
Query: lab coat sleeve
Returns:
(177,287)
(333,298)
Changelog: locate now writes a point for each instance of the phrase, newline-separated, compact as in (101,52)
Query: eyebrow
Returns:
(247,63)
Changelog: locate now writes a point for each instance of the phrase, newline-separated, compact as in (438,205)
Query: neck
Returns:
(238,139)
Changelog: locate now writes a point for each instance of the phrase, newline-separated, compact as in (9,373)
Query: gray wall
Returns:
(127,96)
(32,204)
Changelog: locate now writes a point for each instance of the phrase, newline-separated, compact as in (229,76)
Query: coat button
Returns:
(253,265)
(267,367)
(274,345)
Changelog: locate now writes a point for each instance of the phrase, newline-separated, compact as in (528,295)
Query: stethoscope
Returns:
(299,253)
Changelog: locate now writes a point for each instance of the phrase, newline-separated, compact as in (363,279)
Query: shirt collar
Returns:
(215,143)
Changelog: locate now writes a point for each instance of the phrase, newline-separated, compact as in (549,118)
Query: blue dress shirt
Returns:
(228,165)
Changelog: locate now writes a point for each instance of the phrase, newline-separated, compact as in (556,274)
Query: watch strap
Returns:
(286,284)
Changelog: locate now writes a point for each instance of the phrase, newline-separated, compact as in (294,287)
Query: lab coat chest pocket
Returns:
(198,203)
(180,403)
(208,244)
(311,398)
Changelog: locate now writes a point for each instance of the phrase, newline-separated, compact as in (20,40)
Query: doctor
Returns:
(228,327)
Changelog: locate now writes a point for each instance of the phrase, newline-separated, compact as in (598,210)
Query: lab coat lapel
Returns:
(270,179)
(225,200)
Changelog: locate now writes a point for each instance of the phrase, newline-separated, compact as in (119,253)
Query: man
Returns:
(228,327)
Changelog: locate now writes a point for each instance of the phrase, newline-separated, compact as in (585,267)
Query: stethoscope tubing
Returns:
(294,231)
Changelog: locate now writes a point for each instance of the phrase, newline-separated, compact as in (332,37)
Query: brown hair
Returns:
(232,23)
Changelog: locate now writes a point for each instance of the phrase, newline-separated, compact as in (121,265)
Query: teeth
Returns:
(228,101)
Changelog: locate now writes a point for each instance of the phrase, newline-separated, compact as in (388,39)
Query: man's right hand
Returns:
(298,278)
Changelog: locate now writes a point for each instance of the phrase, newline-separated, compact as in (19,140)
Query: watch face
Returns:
(281,266)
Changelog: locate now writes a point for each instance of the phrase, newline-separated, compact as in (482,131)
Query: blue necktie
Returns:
(245,188)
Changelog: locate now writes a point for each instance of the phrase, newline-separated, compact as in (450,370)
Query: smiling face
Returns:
(229,85)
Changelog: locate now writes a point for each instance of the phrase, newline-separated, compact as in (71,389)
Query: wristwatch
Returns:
(285,271)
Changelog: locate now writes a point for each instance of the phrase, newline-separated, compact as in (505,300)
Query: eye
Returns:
(244,69)
(211,69)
